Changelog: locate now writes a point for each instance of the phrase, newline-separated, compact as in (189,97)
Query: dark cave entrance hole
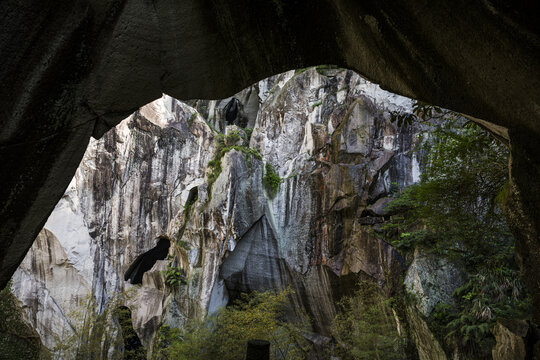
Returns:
(146,261)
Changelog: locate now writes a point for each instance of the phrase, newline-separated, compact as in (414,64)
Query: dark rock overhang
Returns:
(75,69)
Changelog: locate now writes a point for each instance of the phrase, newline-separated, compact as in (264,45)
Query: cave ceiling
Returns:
(72,70)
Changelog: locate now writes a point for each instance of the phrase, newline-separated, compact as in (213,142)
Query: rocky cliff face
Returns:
(327,135)
(128,188)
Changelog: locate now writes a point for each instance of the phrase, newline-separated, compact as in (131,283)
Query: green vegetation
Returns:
(456,212)
(90,337)
(224,144)
(422,112)
(130,337)
(183,244)
(302,70)
(188,205)
(211,126)
(365,327)
(271,180)
(224,335)
(248,132)
(174,276)
(192,119)
(322,68)
(318,103)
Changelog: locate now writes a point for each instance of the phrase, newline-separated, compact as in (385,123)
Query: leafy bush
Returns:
(174,275)
(91,337)
(271,180)
(455,209)
(224,335)
(248,132)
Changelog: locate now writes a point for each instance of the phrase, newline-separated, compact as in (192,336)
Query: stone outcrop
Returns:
(432,280)
(511,340)
(70,71)
(427,345)
(50,288)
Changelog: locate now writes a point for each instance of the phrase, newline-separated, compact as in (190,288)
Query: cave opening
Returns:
(339,152)
(145,261)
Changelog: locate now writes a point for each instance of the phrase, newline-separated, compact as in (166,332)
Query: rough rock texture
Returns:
(18,339)
(426,344)
(511,343)
(432,281)
(69,71)
(50,288)
(128,188)
(314,231)
(326,133)
(522,210)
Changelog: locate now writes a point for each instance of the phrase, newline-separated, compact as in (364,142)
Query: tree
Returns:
(455,211)
(224,335)
(366,328)
(96,335)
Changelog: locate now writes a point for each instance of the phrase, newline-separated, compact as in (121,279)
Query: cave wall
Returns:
(72,70)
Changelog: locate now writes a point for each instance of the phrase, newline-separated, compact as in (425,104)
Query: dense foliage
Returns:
(456,212)
(174,275)
(18,340)
(366,328)
(271,180)
(224,335)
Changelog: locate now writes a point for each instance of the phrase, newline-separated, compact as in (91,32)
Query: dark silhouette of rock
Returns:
(144,262)
(71,70)
(231,111)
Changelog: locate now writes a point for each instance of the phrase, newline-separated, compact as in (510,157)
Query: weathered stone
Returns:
(432,280)
(128,189)
(71,71)
(133,182)
(510,336)
(426,344)
(317,234)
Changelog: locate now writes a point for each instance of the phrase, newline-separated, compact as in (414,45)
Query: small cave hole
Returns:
(144,262)
(192,196)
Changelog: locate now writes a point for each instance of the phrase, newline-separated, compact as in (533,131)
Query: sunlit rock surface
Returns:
(128,188)
(327,134)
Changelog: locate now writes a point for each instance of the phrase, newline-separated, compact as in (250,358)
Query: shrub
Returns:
(365,327)
(223,146)
(174,275)
(271,180)
(224,335)
(455,212)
